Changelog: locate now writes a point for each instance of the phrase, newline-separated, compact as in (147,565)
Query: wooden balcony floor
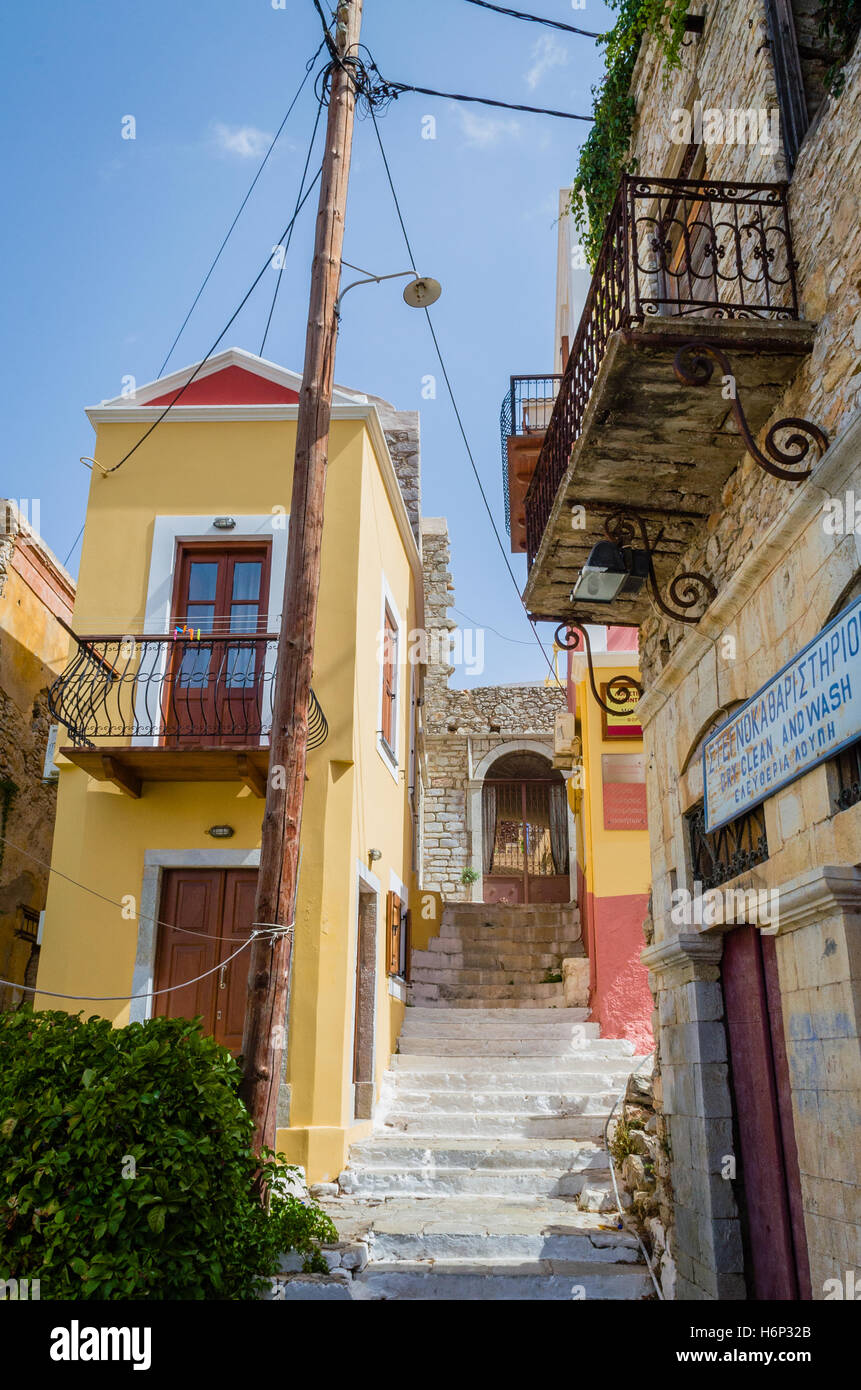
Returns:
(658,447)
(129,768)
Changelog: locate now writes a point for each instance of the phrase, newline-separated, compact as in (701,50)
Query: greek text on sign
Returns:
(807,712)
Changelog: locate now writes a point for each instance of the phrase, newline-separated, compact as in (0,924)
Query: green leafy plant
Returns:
(839,24)
(469,875)
(126,1165)
(552,977)
(604,155)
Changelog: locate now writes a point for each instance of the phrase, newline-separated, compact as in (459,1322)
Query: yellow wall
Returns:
(352,802)
(616,862)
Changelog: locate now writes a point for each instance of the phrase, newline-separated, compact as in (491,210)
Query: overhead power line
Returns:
(395,89)
(455,407)
(535,19)
(308,67)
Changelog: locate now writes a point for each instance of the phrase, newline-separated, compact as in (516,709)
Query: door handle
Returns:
(222,977)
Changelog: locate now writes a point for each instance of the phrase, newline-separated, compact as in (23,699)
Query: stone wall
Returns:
(401,428)
(462,726)
(779,575)
(32,651)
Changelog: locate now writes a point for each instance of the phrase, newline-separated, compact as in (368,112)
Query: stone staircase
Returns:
(486,1176)
(489,956)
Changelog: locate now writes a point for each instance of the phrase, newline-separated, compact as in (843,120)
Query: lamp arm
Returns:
(369,280)
(626,686)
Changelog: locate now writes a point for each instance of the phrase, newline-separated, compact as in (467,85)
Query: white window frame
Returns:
(168,532)
(390,756)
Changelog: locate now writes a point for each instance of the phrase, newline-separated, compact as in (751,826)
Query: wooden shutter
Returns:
(408,942)
(393,928)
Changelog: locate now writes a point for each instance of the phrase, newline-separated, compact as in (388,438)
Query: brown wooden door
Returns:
(770,1182)
(214,687)
(200,907)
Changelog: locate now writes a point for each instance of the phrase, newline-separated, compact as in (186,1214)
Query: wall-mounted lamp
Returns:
(616,568)
(610,571)
(224,523)
(374,854)
(693,366)
(221,832)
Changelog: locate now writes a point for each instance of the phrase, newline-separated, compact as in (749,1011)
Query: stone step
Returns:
(526,1046)
(512,914)
(443,946)
(435,1182)
(550,1027)
(520,1280)
(483,1005)
(485,1227)
(468,1155)
(500,1100)
(471,1072)
(417,1014)
(473,975)
(487,958)
(422,992)
(457,1124)
(483,933)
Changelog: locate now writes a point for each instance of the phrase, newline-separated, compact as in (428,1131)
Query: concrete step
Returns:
(471,1072)
(519,1280)
(485,1227)
(517,914)
(417,1014)
(458,1124)
(551,1027)
(445,1155)
(501,1100)
(526,1046)
(435,1182)
(484,1005)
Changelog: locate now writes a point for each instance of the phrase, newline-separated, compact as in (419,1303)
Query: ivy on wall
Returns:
(603,156)
(839,25)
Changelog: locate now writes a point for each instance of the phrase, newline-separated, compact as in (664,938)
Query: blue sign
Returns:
(806,713)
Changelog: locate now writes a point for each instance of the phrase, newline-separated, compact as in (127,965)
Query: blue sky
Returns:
(105,240)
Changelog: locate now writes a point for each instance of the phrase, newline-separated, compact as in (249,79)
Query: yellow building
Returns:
(166,701)
(607,791)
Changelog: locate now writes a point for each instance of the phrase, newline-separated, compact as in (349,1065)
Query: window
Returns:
(847,776)
(388,728)
(397,935)
(720,855)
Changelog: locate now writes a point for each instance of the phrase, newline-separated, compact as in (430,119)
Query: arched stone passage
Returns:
(522,828)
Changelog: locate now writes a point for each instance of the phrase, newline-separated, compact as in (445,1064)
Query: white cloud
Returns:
(485,131)
(547,53)
(245,140)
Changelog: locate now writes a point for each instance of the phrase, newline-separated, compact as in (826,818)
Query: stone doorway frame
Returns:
(474,789)
(363,1052)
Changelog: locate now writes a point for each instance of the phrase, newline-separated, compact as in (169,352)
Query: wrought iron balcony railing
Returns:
(675,248)
(181,691)
(526,410)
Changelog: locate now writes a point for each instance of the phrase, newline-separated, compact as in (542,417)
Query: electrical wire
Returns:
(395,89)
(137,917)
(148,994)
(286,246)
(174,399)
(518,641)
(308,67)
(535,19)
(455,406)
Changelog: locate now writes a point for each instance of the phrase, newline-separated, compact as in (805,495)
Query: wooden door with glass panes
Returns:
(213,692)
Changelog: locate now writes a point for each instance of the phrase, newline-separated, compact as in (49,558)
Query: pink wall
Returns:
(619,994)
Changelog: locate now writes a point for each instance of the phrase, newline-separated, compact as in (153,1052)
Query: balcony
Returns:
(523,421)
(194,708)
(681,260)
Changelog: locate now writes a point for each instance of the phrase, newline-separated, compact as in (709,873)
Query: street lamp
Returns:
(421,292)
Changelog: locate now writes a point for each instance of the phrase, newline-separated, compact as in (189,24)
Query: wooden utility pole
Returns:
(269,967)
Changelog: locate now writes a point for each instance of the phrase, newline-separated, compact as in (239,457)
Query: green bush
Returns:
(126,1165)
